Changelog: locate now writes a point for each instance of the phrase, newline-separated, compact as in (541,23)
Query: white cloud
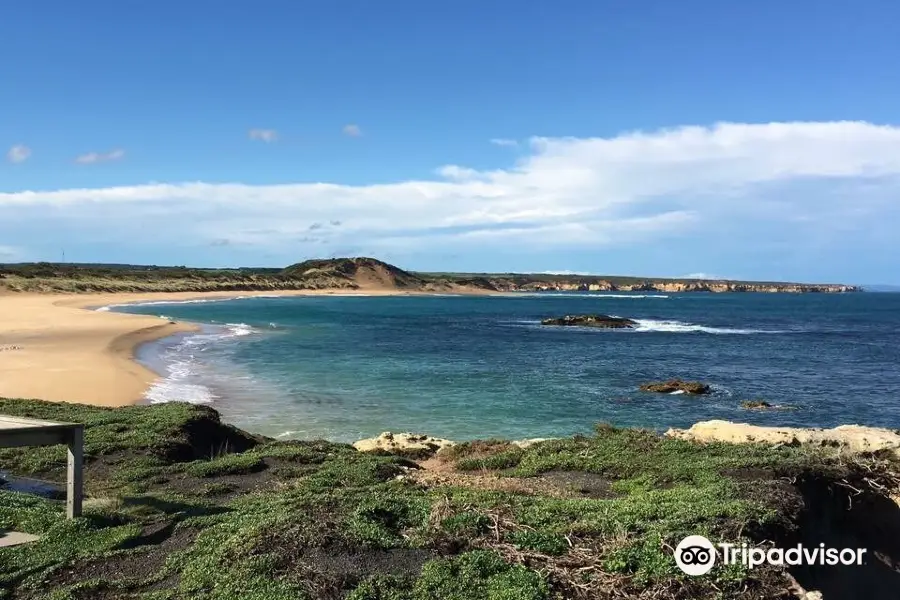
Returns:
(263,135)
(737,183)
(98,157)
(504,142)
(18,154)
(352,130)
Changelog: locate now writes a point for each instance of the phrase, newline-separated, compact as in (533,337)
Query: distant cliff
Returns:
(660,285)
(360,273)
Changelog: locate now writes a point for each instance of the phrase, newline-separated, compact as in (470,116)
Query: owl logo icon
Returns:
(695,555)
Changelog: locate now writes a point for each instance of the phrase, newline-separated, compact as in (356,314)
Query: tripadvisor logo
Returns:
(696,555)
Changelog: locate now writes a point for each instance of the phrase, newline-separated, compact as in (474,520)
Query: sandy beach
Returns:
(54,347)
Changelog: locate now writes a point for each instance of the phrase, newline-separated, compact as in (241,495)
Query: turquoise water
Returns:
(344,368)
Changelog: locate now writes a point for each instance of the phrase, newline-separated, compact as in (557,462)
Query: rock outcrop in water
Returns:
(676,385)
(756,404)
(601,321)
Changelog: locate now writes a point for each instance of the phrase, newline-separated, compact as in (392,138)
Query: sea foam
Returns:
(109,307)
(183,366)
(654,325)
(624,296)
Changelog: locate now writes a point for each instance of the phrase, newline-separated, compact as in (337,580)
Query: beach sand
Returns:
(51,348)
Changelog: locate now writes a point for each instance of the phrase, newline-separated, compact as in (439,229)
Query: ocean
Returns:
(463,367)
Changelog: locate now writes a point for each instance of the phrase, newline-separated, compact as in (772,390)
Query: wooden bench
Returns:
(18,431)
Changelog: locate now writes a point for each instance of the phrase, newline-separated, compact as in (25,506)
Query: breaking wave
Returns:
(183,366)
(654,325)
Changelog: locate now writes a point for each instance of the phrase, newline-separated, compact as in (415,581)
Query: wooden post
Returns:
(74,482)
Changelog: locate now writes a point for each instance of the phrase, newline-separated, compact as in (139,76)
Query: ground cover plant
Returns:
(181,505)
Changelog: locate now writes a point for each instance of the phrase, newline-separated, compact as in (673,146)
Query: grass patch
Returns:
(334,523)
(155,435)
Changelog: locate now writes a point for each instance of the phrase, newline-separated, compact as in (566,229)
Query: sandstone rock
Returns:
(676,385)
(852,438)
(602,321)
(403,442)
(529,442)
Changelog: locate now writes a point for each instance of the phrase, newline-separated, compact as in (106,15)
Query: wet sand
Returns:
(54,347)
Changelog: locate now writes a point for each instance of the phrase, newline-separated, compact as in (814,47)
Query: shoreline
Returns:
(62,348)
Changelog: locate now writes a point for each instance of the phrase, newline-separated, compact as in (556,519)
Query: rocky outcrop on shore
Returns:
(601,321)
(403,443)
(676,386)
(853,438)
(420,443)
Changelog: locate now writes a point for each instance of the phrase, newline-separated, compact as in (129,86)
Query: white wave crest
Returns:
(648,325)
(183,367)
(176,387)
(624,296)
(193,301)
(239,329)
(160,303)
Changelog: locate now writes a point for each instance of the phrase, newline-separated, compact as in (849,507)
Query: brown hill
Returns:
(357,273)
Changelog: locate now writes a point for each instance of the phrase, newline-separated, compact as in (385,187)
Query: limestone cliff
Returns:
(567,284)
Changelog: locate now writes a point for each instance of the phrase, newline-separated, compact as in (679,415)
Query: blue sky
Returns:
(748,140)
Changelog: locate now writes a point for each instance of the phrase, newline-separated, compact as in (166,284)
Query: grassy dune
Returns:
(183,506)
(335,273)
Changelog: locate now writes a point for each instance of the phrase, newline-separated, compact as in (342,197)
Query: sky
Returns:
(751,140)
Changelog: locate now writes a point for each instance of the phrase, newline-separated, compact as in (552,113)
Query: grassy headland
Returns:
(183,506)
(345,273)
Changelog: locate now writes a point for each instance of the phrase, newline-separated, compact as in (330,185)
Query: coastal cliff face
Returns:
(567,285)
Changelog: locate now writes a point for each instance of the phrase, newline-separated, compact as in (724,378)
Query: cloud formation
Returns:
(18,154)
(504,142)
(264,135)
(352,130)
(99,157)
(737,188)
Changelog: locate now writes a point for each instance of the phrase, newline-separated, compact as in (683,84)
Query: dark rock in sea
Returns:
(763,405)
(602,321)
(756,404)
(676,385)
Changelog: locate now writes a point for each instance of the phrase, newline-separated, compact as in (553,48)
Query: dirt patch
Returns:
(141,559)
(223,488)
(587,485)
(847,516)
(329,572)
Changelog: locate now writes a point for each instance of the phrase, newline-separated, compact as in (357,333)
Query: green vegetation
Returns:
(182,506)
(333,273)
(74,278)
